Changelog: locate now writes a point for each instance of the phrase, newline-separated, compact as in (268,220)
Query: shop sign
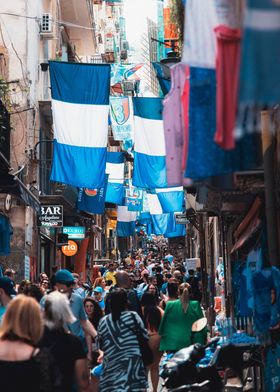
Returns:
(75,232)
(26,267)
(70,249)
(192,264)
(51,216)
(181,219)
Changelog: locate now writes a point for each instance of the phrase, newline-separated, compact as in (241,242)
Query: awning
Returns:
(249,226)
(12,185)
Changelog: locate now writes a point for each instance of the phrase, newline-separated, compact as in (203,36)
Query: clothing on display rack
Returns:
(228,63)
(173,119)
(199,38)
(260,59)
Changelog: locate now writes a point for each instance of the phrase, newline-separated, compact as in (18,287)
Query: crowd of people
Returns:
(107,333)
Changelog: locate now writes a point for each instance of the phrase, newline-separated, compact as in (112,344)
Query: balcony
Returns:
(76,13)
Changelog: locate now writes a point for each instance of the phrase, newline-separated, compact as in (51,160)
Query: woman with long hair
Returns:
(66,348)
(95,314)
(152,315)
(123,368)
(152,289)
(23,366)
(176,325)
(93,311)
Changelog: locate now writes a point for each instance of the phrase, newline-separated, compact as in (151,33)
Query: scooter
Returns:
(181,373)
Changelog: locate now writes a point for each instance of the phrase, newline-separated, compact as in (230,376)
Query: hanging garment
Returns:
(205,158)
(173,125)
(230,13)
(260,76)
(185,105)
(262,282)
(199,37)
(272,369)
(228,64)
(6,232)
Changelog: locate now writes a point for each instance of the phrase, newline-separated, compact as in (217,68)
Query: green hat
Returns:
(64,276)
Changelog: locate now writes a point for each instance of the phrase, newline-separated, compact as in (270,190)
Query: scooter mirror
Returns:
(199,325)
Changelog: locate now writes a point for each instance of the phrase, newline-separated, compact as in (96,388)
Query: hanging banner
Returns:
(121,114)
(171,199)
(126,222)
(92,200)
(119,72)
(149,148)
(134,198)
(80,108)
(115,171)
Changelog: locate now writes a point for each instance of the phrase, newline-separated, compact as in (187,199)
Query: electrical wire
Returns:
(57,21)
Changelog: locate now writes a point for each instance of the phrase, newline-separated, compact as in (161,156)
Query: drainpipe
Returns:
(269,182)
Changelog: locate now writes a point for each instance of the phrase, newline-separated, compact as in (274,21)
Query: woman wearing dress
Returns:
(176,325)
(123,368)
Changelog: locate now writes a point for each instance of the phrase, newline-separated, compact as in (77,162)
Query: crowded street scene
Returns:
(140,195)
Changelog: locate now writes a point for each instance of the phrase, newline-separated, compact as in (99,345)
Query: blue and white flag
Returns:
(171,199)
(92,200)
(80,107)
(125,222)
(162,223)
(115,170)
(149,158)
(180,231)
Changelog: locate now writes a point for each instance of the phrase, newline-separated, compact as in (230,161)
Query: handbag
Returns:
(145,350)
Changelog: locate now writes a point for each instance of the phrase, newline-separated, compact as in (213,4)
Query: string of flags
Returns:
(81,106)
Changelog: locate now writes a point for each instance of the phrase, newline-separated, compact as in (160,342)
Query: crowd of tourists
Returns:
(107,332)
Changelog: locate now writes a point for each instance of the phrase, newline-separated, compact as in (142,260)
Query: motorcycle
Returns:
(224,372)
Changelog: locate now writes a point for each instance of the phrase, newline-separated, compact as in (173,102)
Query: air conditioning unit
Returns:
(46,26)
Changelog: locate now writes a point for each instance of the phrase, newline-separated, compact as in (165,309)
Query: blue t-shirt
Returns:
(2,311)
(80,291)
(78,310)
(102,304)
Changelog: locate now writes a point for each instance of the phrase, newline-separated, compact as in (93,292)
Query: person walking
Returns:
(81,327)
(23,366)
(66,348)
(93,311)
(123,368)
(95,314)
(7,291)
(152,315)
(176,325)
(100,282)
(172,294)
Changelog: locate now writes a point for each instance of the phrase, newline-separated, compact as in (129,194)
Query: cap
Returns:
(7,285)
(64,276)
(98,289)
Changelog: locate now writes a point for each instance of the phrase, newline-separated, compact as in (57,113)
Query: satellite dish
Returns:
(8,203)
